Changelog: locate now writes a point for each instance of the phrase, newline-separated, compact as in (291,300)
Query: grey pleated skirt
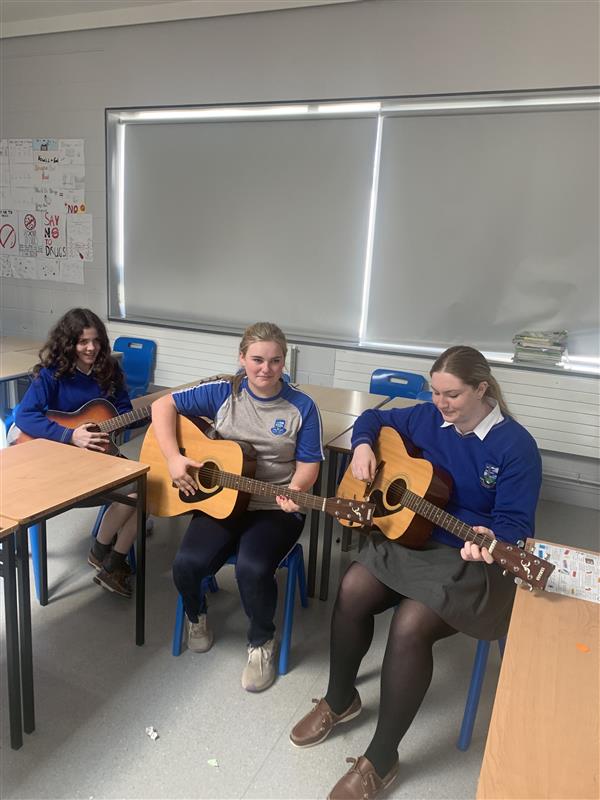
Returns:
(471,596)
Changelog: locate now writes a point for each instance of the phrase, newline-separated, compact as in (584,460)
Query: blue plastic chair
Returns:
(294,561)
(425,395)
(474,693)
(138,362)
(395,383)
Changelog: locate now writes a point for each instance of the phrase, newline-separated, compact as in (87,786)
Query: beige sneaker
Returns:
(200,636)
(259,672)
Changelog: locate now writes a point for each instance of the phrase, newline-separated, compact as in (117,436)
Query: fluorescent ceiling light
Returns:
(188,114)
(499,102)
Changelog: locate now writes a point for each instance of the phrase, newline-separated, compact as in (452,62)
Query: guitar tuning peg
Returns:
(518,581)
(505,572)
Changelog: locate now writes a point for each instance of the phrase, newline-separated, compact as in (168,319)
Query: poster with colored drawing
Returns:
(79,237)
(576,574)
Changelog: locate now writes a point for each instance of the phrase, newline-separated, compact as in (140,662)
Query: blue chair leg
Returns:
(39,560)
(477,676)
(474,694)
(288,614)
(302,579)
(178,629)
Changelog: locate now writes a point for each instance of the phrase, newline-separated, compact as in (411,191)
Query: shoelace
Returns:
(263,655)
(368,781)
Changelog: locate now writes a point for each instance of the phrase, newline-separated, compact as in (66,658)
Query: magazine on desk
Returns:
(577,572)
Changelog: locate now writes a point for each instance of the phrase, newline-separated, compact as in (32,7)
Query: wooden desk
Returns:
(40,479)
(8,343)
(343,401)
(8,529)
(400,402)
(17,363)
(543,739)
(148,399)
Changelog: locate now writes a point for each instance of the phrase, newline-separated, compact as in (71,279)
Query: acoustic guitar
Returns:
(102,414)
(225,480)
(409,494)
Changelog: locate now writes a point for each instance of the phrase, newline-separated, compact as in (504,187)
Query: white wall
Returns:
(58,85)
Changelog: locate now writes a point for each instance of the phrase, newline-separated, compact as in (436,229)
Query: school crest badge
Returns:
(490,476)
(278,428)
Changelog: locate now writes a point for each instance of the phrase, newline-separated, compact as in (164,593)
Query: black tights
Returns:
(407,665)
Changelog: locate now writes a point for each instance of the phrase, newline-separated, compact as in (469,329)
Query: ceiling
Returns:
(30,17)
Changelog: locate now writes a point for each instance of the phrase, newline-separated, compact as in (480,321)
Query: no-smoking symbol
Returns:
(8,237)
(29,222)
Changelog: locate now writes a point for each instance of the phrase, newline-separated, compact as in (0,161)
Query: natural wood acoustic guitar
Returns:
(225,480)
(409,494)
(102,414)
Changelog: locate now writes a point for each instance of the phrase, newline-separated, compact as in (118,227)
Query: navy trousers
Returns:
(261,539)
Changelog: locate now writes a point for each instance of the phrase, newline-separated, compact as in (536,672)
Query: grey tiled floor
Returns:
(96,692)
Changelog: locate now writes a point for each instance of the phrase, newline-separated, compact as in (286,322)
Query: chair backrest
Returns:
(425,395)
(395,383)
(137,364)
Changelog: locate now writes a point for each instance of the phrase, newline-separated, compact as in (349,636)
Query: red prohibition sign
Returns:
(8,237)
(29,222)
(55,233)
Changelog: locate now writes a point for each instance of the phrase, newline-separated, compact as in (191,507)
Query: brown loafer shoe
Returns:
(361,782)
(318,723)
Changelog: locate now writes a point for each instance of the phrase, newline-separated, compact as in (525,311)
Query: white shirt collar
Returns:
(486,424)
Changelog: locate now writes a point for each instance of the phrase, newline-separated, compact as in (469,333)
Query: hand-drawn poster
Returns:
(71,271)
(54,235)
(79,237)
(20,151)
(30,242)
(49,269)
(25,268)
(6,263)
(71,151)
(8,233)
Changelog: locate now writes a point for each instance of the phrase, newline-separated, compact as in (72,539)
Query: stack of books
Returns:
(543,348)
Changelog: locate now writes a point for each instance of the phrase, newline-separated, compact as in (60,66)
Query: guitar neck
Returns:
(123,420)
(444,520)
(230,480)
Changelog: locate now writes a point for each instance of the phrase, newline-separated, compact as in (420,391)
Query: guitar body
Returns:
(165,499)
(400,468)
(95,411)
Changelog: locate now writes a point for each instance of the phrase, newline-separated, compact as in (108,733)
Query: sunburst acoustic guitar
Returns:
(99,412)
(409,494)
(225,481)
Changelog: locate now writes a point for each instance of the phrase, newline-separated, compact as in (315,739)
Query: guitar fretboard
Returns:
(230,480)
(444,520)
(123,420)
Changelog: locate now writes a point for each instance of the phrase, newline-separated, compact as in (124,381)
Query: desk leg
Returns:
(315,519)
(328,527)
(140,574)
(25,630)
(12,642)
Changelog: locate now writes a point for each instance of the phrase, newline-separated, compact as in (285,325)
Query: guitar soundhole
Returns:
(394,495)
(206,477)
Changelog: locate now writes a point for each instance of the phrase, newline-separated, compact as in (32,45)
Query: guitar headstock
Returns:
(524,567)
(358,512)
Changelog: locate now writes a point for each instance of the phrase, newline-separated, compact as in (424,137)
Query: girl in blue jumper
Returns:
(75,367)
(443,588)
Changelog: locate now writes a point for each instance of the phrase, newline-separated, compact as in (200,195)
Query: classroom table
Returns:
(42,478)
(11,343)
(8,529)
(343,401)
(543,738)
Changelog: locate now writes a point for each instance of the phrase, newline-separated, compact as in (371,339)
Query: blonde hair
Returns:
(472,368)
(259,332)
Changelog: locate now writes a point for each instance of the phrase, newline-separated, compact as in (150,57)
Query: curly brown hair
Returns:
(59,350)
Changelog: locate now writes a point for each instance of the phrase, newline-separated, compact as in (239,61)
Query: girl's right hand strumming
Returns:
(89,437)
(179,467)
(364,463)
